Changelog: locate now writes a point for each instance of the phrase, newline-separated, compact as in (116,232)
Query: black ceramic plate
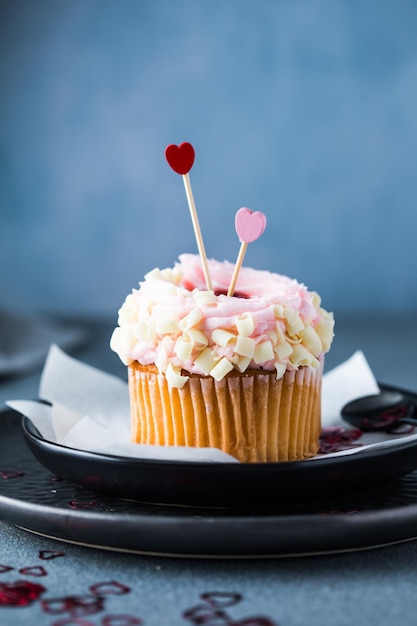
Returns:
(223,484)
(36,500)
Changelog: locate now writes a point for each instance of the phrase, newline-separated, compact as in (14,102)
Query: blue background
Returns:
(303,109)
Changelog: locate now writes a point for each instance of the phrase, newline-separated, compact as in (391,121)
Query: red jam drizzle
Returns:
(236,294)
(337,439)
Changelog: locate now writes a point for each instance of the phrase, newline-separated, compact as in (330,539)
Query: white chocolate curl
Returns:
(274,323)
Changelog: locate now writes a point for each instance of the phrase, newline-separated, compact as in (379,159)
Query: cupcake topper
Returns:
(181,159)
(249,227)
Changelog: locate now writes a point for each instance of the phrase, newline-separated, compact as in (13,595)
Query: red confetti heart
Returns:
(50,554)
(221,599)
(180,158)
(111,587)
(19,593)
(249,225)
(6,474)
(36,570)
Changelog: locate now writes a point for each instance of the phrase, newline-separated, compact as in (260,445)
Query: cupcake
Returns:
(239,373)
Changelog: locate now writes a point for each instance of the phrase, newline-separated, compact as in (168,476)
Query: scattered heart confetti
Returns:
(6,474)
(76,606)
(221,599)
(82,504)
(36,570)
(249,224)
(111,587)
(212,611)
(180,158)
(47,555)
(19,593)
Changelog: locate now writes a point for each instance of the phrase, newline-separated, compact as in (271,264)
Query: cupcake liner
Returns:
(251,416)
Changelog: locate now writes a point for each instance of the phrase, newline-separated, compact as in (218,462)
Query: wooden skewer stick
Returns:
(239,261)
(197,231)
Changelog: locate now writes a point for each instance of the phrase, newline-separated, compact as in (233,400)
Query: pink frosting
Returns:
(173,322)
(269,287)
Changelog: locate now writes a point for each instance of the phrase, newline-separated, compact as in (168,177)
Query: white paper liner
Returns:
(90,410)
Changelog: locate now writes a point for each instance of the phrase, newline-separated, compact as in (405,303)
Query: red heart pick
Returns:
(180,158)
(249,225)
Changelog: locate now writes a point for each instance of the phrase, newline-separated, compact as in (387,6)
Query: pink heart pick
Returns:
(249,224)
(180,158)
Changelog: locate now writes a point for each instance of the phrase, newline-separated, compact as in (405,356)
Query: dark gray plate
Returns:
(227,485)
(35,499)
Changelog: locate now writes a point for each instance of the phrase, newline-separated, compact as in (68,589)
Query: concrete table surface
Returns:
(45,581)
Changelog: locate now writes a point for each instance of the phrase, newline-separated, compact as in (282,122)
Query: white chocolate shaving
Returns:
(312,340)
(243,363)
(281,369)
(174,377)
(161,360)
(122,342)
(128,312)
(301,356)
(294,322)
(283,350)
(166,326)
(197,336)
(245,324)
(325,331)
(245,346)
(190,320)
(141,331)
(316,299)
(203,298)
(263,352)
(273,336)
(171,275)
(279,310)
(222,368)
(206,360)
(222,337)
(184,348)
(154,274)
(280,332)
